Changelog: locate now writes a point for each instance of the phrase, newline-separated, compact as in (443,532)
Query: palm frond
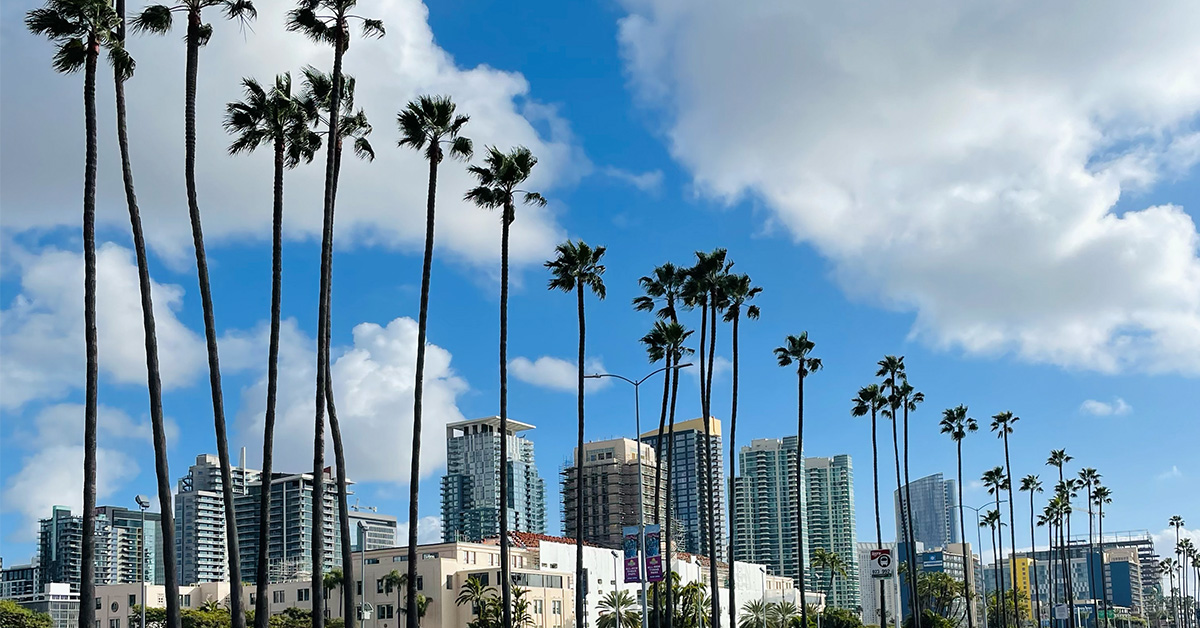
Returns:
(462,148)
(372,28)
(204,33)
(121,61)
(155,18)
(533,198)
(70,56)
(363,150)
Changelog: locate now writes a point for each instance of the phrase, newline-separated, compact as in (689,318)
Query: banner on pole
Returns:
(632,571)
(654,559)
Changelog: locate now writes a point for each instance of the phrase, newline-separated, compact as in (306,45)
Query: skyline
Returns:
(619,171)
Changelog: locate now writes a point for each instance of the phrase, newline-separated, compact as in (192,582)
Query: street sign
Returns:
(881,563)
(1061,611)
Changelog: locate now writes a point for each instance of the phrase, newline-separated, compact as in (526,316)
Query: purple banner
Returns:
(633,573)
(654,559)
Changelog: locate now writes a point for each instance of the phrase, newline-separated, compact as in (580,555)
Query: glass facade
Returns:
(690,452)
(765,502)
(934,511)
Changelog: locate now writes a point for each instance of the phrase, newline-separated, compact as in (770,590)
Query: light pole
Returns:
(364,608)
(637,418)
(763,570)
(616,572)
(143,502)
(979,542)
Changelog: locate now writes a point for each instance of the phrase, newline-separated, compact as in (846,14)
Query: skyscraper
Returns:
(689,491)
(610,490)
(200,519)
(60,543)
(119,547)
(934,512)
(471,486)
(289,550)
(380,529)
(765,502)
(829,517)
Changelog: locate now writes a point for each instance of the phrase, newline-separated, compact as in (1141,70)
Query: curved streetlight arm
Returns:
(640,381)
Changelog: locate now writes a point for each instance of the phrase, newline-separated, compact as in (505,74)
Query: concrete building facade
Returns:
(611,490)
(471,486)
(766,496)
(200,534)
(380,530)
(829,517)
(290,547)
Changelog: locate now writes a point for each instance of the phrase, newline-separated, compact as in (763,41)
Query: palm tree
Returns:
(957,424)
(1002,425)
(394,580)
(870,400)
(1032,484)
(577,267)
(479,596)
(80,28)
(277,119)
(1058,458)
(996,480)
(782,614)
(1047,519)
(672,337)
(1184,550)
(1176,522)
(1167,568)
(830,562)
(617,608)
(425,125)
(1089,478)
(333,579)
(498,179)
(991,520)
(892,370)
(1102,495)
(754,615)
(909,399)
(797,349)
(157,19)
(738,291)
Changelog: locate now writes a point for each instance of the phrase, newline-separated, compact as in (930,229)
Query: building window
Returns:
(538,607)
(379,586)
(114,607)
(277,597)
(358,587)
(420,583)
(185,600)
(302,595)
(556,607)
(132,600)
(372,561)
(99,604)
(253,598)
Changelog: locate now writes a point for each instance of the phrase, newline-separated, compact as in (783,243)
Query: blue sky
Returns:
(1015,217)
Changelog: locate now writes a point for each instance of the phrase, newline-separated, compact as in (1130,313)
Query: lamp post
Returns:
(143,502)
(763,569)
(616,573)
(979,542)
(637,418)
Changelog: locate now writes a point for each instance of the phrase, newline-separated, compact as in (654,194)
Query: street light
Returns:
(143,502)
(763,569)
(637,417)
(979,542)
(616,571)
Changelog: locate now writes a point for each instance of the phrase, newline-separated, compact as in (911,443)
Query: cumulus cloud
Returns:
(380,203)
(373,388)
(429,530)
(1164,540)
(959,161)
(556,373)
(42,329)
(1117,406)
(52,472)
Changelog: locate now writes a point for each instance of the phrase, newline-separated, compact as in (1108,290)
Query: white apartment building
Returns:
(200,518)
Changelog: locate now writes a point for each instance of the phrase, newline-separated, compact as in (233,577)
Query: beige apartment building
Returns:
(611,495)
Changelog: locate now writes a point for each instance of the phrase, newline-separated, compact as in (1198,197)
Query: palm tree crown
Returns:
(266,117)
(1031,484)
(318,96)
(738,291)
(957,424)
(995,480)
(80,28)
(499,177)
(577,264)
(326,21)
(428,122)
(665,284)
(158,18)
(796,350)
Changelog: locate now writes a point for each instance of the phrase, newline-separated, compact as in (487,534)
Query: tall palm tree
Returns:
(831,562)
(498,179)
(1002,425)
(617,608)
(426,124)
(1167,568)
(80,28)
(1176,522)
(1032,484)
(157,19)
(277,119)
(328,22)
(1089,478)
(333,579)
(798,350)
(1046,518)
(870,400)
(1058,459)
(738,291)
(575,268)
(1101,495)
(394,580)
(153,372)
(991,520)
(1184,549)
(892,370)
(957,424)
(996,481)
(673,337)
(909,400)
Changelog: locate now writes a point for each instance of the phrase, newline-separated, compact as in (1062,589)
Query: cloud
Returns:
(380,203)
(649,181)
(52,473)
(555,373)
(42,329)
(1170,474)
(1101,408)
(721,367)
(373,388)
(1164,540)
(965,167)
(429,530)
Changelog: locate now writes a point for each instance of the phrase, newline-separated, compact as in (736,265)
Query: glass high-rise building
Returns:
(765,498)
(290,546)
(934,512)
(471,486)
(200,519)
(829,517)
(690,452)
(125,551)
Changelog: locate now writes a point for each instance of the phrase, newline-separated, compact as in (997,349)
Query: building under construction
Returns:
(610,490)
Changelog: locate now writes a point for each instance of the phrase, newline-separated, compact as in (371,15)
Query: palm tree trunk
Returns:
(1067,567)
(733,408)
(1064,564)
(579,598)
(414,481)
(999,589)
(911,537)
(670,552)
(1037,592)
(323,335)
(262,607)
(658,468)
(903,508)
(1091,575)
(710,498)
(505,580)
(1002,595)
(800,494)
(1012,532)
(343,508)
(962,533)
(153,378)
(87,611)
(237,613)
(878,525)
(1103,575)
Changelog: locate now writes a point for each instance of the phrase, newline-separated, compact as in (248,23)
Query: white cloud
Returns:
(373,386)
(429,530)
(380,203)
(960,161)
(62,424)
(1103,408)
(1164,540)
(1170,474)
(42,329)
(556,373)
(649,181)
(721,367)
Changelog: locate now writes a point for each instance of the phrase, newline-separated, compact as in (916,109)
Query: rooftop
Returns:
(494,421)
(696,424)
